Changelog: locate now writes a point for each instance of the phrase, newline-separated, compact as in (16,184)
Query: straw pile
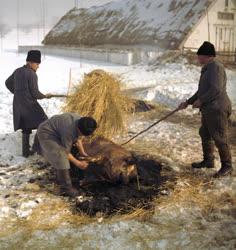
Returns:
(99,96)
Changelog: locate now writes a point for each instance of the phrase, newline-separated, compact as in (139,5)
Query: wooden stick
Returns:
(154,124)
(138,182)
(59,95)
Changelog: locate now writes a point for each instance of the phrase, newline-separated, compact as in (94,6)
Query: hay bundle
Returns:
(99,96)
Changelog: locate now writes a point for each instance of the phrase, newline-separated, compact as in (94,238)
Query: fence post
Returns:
(69,84)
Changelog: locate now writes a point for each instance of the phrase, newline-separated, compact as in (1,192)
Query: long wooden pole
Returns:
(154,124)
(59,95)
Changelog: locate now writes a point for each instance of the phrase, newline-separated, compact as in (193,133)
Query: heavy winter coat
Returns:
(56,137)
(212,89)
(27,113)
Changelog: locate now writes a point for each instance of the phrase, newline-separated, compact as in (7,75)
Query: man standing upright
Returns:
(215,106)
(27,112)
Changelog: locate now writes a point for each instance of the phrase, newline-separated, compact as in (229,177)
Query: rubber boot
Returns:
(64,181)
(225,170)
(26,152)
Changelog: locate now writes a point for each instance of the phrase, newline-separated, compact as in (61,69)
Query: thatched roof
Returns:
(162,23)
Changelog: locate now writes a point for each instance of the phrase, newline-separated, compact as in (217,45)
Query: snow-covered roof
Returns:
(163,23)
(90,3)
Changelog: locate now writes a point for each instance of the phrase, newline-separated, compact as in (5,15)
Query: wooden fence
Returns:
(224,56)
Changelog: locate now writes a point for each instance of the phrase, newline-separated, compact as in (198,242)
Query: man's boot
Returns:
(206,163)
(64,181)
(36,145)
(26,152)
(226,161)
(225,170)
(208,156)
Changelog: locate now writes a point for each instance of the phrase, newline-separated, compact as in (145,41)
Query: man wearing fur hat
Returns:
(215,106)
(27,112)
(56,137)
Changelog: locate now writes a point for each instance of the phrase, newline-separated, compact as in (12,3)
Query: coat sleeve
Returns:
(216,79)
(192,99)
(33,87)
(10,83)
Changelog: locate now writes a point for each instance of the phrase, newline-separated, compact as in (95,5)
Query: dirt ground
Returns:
(109,199)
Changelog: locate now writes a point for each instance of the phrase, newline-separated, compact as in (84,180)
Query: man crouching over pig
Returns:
(55,138)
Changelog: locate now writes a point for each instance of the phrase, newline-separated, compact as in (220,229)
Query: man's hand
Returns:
(183,105)
(82,164)
(48,96)
(197,104)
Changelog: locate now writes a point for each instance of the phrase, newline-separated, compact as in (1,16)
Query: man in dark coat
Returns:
(215,106)
(27,113)
(56,137)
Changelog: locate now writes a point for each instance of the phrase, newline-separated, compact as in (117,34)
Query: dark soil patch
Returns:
(100,197)
(142,106)
(108,199)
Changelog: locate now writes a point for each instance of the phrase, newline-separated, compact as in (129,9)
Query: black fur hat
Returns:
(207,49)
(34,56)
(87,125)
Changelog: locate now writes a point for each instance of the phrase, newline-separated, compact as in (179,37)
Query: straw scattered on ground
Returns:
(196,191)
(99,96)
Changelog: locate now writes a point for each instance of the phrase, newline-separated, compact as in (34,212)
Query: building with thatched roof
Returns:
(169,24)
(149,24)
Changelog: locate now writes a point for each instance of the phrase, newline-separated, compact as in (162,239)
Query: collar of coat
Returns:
(204,68)
(28,67)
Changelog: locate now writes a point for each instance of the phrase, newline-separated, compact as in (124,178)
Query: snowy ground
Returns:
(181,225)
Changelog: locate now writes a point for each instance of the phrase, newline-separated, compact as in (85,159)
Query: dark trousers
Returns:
(26,142)
(214,131)
(27,131)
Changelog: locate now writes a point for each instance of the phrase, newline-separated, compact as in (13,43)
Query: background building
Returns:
(217,25)
(145,28)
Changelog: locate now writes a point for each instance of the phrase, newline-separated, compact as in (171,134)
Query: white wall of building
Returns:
(116,56)
(110,56)
(221,32)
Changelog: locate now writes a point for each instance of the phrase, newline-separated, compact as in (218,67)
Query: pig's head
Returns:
(123,171)
(128,174)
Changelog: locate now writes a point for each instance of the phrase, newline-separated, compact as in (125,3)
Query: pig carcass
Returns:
(109,163)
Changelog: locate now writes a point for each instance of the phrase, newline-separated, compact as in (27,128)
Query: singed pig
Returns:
(111,163)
